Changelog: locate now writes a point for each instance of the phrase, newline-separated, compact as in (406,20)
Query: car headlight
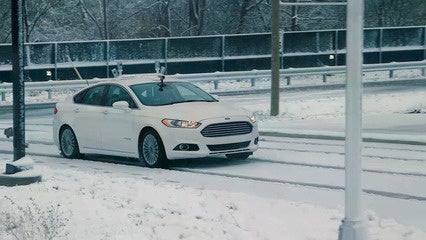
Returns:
(175,123)
(252,118)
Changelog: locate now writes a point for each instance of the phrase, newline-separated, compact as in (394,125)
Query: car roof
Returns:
(136,79)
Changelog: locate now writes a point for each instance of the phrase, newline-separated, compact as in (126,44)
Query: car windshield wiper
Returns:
(198,100)
(186,101)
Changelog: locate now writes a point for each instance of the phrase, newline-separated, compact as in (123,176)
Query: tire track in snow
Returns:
(305,184)
(340,144)
(291,163)
(335,167)
(341,153)
(229,175)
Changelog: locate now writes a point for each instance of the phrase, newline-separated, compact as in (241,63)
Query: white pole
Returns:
(352,227)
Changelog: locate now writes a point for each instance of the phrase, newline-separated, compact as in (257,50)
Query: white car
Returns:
(153,121)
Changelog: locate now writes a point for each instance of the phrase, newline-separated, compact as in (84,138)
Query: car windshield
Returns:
(152,94)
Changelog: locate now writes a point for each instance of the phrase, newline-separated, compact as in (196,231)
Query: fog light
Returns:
(186,147)
(256,141)
(183,147)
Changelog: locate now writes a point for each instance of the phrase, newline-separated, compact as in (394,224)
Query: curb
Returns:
(10,180)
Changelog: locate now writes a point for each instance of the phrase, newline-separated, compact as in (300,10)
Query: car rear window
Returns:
(80,96)
(90,96)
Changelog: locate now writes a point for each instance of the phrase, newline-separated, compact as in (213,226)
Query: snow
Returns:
(99,206)
(104,203)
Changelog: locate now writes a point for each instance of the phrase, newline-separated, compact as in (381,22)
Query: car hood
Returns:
(199,111)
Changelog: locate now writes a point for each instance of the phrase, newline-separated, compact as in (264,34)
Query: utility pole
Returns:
(275,42)
(18,80)
(352,227)
(275,60)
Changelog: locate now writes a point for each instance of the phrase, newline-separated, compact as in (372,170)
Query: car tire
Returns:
(151,150)
(69,144)
(238,156)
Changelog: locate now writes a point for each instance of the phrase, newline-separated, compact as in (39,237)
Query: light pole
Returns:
(18,80)
(353,227)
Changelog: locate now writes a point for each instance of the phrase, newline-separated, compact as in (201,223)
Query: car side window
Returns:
(93,96)
(116,93)
(79,97)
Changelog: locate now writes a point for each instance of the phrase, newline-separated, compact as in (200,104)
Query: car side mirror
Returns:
(123,105)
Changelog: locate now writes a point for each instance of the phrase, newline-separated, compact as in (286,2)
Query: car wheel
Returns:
(151,150)
(238,156)
(69,144)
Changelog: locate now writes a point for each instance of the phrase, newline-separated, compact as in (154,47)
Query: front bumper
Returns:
(206,146)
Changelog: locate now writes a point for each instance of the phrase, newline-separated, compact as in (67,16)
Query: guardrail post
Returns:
(253,82)
(288,80)
(216,84)
(49,94)
(324,78)
(391,73)
(424,72)
(3,96)
(223,52)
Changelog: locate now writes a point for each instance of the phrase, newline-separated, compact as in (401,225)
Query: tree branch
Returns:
(254,5)
(41,14)
(114,25)
(92,17)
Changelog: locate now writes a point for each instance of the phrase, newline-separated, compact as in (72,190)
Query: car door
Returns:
(87,115)
(117,124)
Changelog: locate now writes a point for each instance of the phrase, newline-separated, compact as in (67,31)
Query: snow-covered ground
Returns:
(90,200)
(83,205)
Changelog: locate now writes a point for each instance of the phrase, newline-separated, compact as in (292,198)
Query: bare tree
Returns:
(91,12)
(246,7)
(313,17)
(294,17)
(5,25)
(163,27)
(57,20)
(136,18)
(197,9)
(385,13)
(34,13)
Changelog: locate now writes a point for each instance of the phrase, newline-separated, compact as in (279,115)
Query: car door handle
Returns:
(76,110)
(105,112)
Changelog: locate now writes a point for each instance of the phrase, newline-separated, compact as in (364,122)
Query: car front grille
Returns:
(229,146)
(227,129)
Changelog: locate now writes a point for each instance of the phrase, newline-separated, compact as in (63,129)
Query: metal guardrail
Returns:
(192,54)
(291,72)
(217,77)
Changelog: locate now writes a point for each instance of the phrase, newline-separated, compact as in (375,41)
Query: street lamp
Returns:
(20,162)
(18,80)
(352,227)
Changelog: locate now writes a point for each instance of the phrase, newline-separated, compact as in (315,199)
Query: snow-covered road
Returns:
(393,174)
